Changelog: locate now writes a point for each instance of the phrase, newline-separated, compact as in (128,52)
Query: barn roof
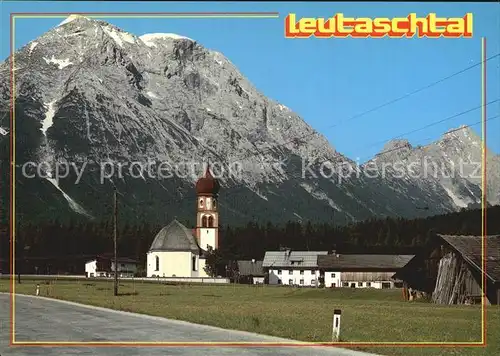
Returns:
(292,258)
(364,262)
(470,247)
(175,237)
(250,268)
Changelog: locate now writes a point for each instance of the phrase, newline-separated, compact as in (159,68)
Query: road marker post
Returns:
(37,289)
(336,325)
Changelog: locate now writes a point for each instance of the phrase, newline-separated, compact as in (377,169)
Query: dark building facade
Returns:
(452,269)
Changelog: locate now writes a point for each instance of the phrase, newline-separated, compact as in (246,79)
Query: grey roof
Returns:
(365,262)
(470,247)
(292,258)
(249,268)
(175,237)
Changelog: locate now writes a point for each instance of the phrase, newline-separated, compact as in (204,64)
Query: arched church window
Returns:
(214,204)
(210,221)
(201,203)
(157,261)
(204,221)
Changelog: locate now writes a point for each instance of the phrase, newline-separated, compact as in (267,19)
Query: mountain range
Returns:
(98,109)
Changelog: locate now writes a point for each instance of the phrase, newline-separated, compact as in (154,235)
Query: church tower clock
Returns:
(207,215)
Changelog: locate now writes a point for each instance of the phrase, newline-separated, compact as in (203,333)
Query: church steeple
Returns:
(207,219)
(207,185)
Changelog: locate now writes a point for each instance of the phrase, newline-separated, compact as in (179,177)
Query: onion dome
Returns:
(207,185)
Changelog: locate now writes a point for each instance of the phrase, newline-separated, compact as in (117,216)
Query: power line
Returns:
(434,123)
(448,132)
(390,102)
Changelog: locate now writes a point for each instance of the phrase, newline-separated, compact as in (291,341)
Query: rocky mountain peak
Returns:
(461,141)
(399,144)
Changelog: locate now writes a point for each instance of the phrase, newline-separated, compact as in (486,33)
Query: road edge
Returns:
(269,338)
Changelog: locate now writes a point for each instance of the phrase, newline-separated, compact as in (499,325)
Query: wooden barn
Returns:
(450,271)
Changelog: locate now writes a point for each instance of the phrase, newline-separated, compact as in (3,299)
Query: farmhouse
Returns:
(293,267)
(104,266)
(361,271)
(251,272)
(177,251)
(451,270)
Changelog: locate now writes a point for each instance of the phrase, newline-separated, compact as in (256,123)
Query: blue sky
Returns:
(328,81)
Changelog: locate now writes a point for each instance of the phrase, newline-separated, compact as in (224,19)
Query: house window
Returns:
(279,281)
(279,271)
(210,221)
(301,272)
(360,284)
(333,275)
(194,263)
(301,282)
(345,284)
(157,262)
(290,281)
(368,284)
(313,273)
(290,271)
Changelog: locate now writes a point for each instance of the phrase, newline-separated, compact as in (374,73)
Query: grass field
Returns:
(302,314)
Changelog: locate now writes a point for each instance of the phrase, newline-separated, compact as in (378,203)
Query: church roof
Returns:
(175,237)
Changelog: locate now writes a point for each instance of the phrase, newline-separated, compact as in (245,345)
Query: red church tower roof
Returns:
(207,184)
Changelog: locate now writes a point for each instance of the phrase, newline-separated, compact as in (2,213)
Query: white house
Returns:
(361,271)
(177,251)
(104,266)
(288,267)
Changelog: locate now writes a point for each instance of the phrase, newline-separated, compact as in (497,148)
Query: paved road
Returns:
(42,319)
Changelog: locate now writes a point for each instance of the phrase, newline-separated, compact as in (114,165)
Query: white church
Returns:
(177,251)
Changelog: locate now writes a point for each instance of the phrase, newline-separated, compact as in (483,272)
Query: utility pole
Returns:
(115,233)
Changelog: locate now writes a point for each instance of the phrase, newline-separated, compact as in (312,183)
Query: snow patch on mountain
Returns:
(298,216)
(60,63)
(456,200)
(151,39)
(259,194)
(319,195)
(32,46)
(151,95)
(70,18)
(49,116)
(118,36)
(72,204)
